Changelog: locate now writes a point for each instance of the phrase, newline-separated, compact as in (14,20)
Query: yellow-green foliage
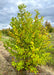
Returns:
(29,41)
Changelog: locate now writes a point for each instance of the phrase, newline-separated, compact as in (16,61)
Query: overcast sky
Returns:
(9,8)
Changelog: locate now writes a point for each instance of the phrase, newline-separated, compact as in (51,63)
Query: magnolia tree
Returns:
(29,41)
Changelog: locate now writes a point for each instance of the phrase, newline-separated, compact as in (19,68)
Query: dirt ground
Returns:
(7,69)
(5,62)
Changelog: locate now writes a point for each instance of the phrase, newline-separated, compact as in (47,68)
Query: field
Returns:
(5,56)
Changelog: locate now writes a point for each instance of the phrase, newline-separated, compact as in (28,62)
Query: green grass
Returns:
(4,38)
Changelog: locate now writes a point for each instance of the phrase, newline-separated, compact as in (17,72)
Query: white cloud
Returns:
(8,9)
(12,1)
(8,26)
(2,26)
(21,2)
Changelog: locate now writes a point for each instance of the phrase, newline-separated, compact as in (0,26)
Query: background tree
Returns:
(49,27)
(6,31)
(29,41)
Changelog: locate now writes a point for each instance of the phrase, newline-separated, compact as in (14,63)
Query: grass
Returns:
(4,38)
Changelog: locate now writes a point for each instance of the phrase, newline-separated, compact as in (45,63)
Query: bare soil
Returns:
(5,62)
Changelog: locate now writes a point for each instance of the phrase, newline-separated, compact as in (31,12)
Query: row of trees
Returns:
(6,31)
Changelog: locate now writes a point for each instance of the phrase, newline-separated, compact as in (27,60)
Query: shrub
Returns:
(29,41)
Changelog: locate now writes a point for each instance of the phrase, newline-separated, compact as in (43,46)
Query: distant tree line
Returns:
(6,31)
(49,27)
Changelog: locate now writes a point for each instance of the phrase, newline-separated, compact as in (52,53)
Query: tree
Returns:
(6,31)
(49,27)
(29,41)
